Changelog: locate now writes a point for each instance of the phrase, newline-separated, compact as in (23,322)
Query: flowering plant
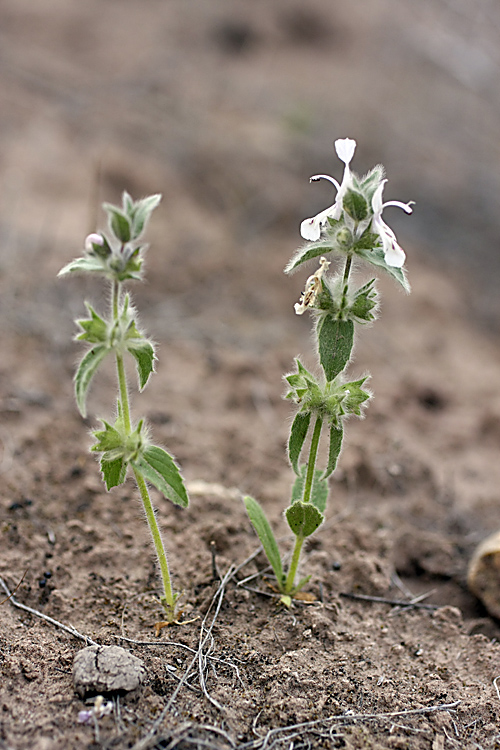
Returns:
(351,228)
(125,444)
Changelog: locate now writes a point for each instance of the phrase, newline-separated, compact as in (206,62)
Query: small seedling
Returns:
(351,229)
(124,443)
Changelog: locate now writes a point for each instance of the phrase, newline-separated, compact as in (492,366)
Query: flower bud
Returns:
(96,244)
(344,238)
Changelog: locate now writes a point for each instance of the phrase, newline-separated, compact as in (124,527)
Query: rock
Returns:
(106,669)
(483,577)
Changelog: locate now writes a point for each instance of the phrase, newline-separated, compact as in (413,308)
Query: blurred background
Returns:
(227,107)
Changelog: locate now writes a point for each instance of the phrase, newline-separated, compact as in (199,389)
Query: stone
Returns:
(106,669)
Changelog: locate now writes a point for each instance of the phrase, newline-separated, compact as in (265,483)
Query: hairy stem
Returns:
(311,464)
(168,598)
(345,284)
(294,564)
(306,497)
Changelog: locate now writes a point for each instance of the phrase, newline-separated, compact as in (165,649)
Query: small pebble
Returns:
(105,670)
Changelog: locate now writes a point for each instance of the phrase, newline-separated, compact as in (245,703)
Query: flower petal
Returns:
(310,229)
(395,256)
(345,148)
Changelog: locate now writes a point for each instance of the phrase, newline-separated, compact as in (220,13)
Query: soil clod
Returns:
(107,669)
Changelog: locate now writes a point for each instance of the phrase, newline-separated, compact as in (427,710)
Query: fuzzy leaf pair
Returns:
(120,450)
(367,246)
(358,306)
(296,441)
(128,223)
(107,337)
(156,466)
(330,400)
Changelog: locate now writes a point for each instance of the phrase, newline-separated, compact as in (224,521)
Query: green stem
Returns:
(311,464)
(115,294)
(168,598)
(294,564)
(306,497)
(345,283)
(122,383)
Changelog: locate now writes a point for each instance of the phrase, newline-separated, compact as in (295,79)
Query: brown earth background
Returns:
(227,108)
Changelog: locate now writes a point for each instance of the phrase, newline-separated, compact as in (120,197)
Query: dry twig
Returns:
(67,628)
(201,657)
(413,603)
(269,740)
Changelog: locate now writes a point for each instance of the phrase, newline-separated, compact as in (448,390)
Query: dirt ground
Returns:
(417,484)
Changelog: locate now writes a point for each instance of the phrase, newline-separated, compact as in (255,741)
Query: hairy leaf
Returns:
(355,205)
(266,536)
(336,434)
(375,255)
(119,222)
(335,340)
(141,213)
(144,355)
(108,439)
(159,468)
(364,302)
(113,472)
(303,518)
(86,371)
(310,251)
(319,491)
(83,265)
(95,329)
(298,434)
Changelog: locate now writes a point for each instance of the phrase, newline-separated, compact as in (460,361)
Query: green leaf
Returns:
(298,434)
(83,265)
(86,370)
(142,211)
(113,472)
(303,518)
(335,340)
(375,256)
(370,181)
(355,396)
(310,251)
(118,222)
(108,439)
(336,434)
(266,536)
(365,300)
(319,490)
(355,205)
(367,241)
(128,204)
(144,355)
(95,329)
(159,468)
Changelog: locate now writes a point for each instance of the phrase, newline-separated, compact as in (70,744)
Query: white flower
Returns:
(312,288)
(393,253)
(310,229)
